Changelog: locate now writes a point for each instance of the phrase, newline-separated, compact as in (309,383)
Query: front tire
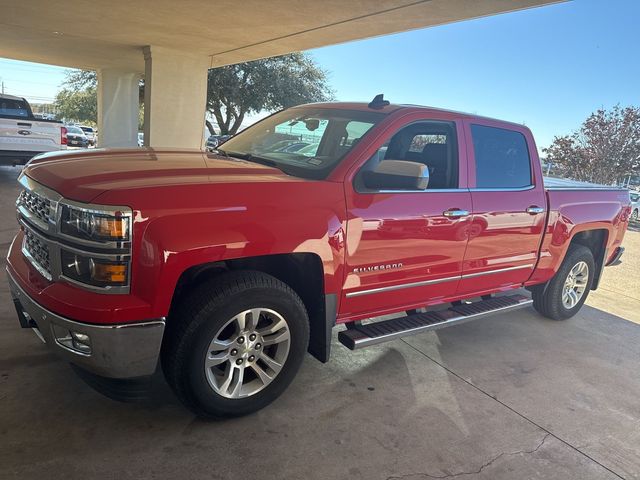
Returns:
(234,344)
(568,289)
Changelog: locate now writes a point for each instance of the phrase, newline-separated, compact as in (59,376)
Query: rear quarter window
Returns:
(502,158)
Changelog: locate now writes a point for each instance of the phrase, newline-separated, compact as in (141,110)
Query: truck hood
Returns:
(83,175)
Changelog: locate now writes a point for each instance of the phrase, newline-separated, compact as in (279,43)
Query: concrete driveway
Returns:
(514,396)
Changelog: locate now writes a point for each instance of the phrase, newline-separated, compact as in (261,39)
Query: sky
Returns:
(547,67)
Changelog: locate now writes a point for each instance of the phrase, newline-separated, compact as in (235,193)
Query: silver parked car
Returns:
(90,134)
(635,205)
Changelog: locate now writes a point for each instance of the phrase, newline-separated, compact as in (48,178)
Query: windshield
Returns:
(75,130)
(306,142)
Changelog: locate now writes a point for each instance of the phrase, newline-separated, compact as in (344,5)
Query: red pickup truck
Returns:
(226,267)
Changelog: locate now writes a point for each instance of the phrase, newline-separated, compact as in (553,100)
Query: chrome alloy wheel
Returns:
(575,285)
(247,353)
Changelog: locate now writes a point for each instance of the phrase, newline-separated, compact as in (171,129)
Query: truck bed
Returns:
(577,208)
(553,183)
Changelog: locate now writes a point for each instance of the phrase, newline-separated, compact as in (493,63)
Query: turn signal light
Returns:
(99,272)
(109,273)
(111,227)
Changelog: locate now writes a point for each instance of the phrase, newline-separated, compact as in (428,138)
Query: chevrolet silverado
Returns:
(223,268)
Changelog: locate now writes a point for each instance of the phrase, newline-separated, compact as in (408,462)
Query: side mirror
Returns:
(397,175)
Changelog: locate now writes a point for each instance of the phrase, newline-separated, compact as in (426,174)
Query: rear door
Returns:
(403,250)
(509,207)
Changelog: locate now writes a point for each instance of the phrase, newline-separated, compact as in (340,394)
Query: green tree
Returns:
(268,84)
(605,149)
(81,79)
(77,100)
(233,91)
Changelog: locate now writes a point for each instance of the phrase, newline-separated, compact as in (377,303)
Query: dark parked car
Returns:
(76,137)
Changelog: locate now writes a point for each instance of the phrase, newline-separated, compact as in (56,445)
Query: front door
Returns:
(403,250)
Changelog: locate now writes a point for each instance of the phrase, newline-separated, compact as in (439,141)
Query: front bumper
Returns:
(116,351)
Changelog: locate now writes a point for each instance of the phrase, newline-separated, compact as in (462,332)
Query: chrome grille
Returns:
(36,205)
(38,250)
(38,208)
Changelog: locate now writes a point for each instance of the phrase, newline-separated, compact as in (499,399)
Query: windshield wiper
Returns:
(250,157)
(221,152)
(262,160)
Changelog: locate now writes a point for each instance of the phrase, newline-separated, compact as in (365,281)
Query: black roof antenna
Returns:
(378,102)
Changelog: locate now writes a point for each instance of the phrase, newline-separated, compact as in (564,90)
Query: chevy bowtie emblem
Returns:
(24,132)
(374,268)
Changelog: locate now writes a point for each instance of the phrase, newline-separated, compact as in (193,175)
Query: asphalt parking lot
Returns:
(514,396)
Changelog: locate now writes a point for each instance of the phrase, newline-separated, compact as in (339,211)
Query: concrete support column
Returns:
(118,100)
(175,98)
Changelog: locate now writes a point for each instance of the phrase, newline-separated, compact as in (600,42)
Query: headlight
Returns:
(90,270)
(95,225)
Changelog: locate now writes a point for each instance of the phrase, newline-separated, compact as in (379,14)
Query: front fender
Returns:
(175,241)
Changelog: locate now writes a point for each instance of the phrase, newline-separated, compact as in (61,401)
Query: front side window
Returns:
(502,158)
(429,143)
(306,141)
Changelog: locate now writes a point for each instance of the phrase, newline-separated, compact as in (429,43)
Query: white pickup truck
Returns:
(22,136)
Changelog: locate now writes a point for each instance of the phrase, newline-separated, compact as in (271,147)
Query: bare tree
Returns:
(605,149)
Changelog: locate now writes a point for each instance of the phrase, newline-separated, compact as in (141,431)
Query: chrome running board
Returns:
(362,336)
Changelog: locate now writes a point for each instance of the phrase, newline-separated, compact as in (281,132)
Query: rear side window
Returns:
(502,158)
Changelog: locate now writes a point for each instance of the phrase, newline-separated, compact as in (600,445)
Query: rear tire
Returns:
(234,344)
(568,289)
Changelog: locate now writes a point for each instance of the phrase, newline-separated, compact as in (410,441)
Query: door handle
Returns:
(534,210)
(455,213)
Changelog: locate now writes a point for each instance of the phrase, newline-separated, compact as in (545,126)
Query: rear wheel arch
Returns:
(595,240)
(563,296)
(302,272)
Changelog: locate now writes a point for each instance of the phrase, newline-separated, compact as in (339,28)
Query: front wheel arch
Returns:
(197,319)
(302,272)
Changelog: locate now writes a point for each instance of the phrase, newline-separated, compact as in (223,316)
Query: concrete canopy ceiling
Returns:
(112,33)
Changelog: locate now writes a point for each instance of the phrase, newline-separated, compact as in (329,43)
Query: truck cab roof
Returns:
(4,96)
(397,107)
